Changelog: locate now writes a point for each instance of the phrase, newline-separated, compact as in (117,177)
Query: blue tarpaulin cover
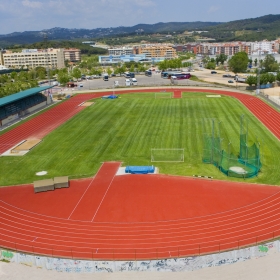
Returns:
(139,169)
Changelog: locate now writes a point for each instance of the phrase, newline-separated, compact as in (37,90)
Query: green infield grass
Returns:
(127,128)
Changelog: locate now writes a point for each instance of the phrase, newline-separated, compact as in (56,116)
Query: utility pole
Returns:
(47,58)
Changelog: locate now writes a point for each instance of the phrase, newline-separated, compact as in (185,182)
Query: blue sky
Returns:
(28,15)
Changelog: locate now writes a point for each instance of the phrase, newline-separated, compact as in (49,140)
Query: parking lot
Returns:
(142,80)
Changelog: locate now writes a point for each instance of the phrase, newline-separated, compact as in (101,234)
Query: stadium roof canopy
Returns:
(22,94)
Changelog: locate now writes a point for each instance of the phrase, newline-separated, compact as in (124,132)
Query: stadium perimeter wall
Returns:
(165,265)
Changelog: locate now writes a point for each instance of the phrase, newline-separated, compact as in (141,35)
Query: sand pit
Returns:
(22,148)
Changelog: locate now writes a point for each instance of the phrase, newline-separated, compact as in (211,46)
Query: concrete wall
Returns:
(10,119)
(35,108)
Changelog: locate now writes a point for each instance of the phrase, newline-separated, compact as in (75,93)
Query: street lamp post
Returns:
(258,82)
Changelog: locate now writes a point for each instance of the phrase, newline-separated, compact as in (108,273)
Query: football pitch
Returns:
(127,128)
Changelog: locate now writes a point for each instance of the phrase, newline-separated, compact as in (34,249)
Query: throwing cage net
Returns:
(246,164)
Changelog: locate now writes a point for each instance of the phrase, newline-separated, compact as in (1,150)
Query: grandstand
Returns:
(17,105)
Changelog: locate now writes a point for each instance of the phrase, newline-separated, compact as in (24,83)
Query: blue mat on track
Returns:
(140,169)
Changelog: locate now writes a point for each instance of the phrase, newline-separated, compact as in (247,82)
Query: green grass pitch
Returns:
(127,128)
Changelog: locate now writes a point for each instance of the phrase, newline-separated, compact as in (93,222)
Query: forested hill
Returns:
(58,33)
(252,29)
(265,27)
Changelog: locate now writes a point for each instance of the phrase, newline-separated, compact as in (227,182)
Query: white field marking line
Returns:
(84,193)
(104,195)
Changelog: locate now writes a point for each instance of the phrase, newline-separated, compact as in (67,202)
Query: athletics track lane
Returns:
(229,228)
(90,202)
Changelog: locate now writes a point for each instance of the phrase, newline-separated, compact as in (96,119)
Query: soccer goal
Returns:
(167,155)
(163,95)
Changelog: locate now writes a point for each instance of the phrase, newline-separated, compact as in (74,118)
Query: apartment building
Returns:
(72,55)
(228,49)
(1,57)
(157,51)
(262,47)
(33,58)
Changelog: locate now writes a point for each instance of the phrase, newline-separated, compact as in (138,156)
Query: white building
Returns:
(121,51)
(33,58)
(262,47)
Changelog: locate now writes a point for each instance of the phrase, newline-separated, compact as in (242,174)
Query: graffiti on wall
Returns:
(172,265)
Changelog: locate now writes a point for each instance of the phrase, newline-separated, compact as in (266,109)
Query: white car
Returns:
(127,82)
(133,81)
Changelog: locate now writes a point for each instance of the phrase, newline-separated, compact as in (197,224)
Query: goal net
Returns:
(163,95)
(167,155)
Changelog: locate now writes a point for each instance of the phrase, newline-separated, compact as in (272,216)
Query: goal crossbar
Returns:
(167,155)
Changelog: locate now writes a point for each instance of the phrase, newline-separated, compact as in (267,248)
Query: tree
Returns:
(221,58)
(239,62)
(210,65)
(109,71)
(13,75)
(270,64)
(142,68)
(63,78)
(271,78)
(251,80)
(278,76)
(76,73)
(41,72)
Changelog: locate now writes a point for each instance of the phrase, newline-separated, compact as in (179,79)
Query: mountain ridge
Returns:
(267,26)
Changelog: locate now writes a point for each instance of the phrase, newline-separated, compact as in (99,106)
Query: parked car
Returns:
(213,72)
(133,82)
(127,82)
(230,81)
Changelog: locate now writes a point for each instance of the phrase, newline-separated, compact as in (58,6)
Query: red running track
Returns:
(141,216)
(177,94)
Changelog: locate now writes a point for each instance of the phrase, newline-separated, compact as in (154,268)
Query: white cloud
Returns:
(31,4)
(213,9)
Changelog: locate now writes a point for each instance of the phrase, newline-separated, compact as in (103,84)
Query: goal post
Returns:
(167,155)
(163,94)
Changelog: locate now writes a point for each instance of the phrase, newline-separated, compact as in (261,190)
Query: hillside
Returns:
(57,33)
(265,27)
